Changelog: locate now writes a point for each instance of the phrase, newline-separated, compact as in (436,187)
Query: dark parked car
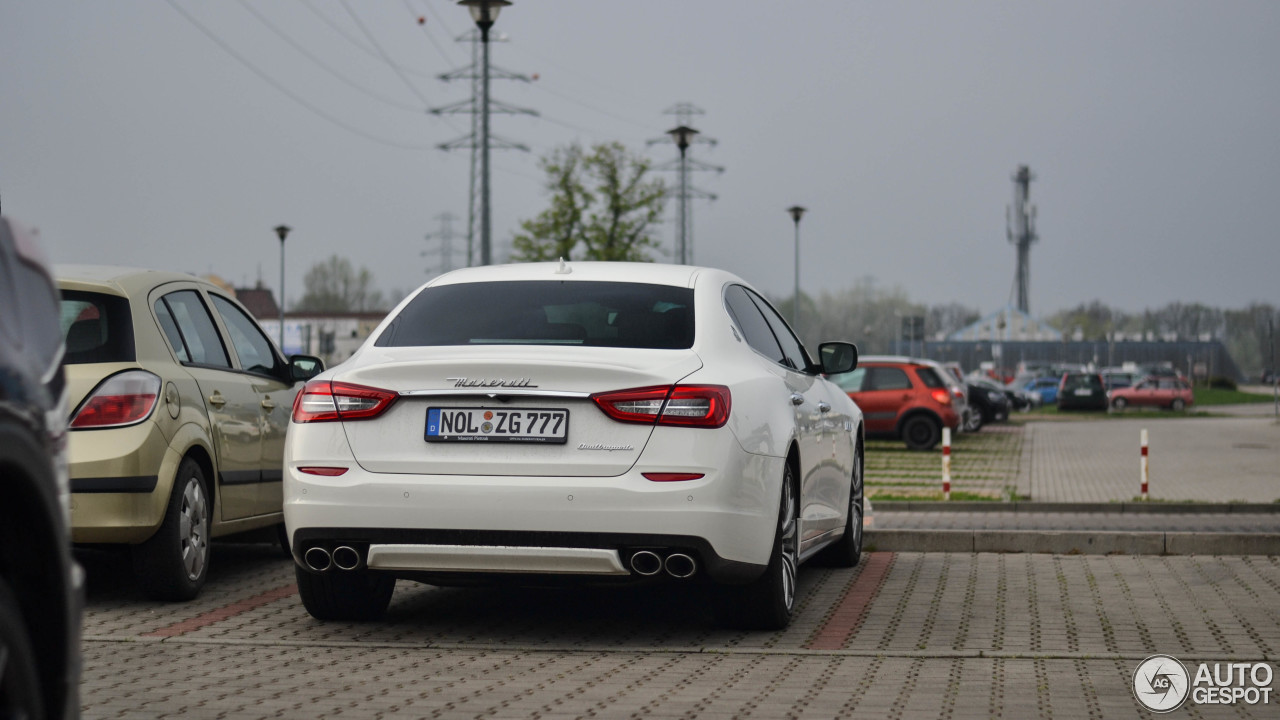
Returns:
(41,586)
(988,398)
(1082,391)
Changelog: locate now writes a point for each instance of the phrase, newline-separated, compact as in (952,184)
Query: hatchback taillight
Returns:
(325,401)
(941,396)
(705,406)
(125,398)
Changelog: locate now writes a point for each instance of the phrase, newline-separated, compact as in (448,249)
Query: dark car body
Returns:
(989,398)
(41,586)
(1082,391)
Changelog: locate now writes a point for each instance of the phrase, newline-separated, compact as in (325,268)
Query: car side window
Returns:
(753,325)
(251,345)
(929,378)
(199,336)
(793,352)
(171,332)
(887,378)
(850,381)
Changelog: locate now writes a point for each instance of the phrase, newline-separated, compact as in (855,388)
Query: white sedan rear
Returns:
(587,420)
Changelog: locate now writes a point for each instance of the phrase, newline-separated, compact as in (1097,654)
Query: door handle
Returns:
(797,399)
(824,407)
(267,404)
(217,399)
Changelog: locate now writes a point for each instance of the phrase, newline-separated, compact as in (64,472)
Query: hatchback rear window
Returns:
(930,378)
(1082,382)
(540,312)
(97,328)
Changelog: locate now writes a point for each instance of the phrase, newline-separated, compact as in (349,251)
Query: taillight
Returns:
(705,406)
(942,396)
(126,398)
(324,401)
(323,471)
(672,476)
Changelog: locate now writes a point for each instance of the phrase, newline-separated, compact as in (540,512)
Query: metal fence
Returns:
(1199,360)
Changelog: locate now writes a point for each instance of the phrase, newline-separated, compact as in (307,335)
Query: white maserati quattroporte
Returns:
(601,421)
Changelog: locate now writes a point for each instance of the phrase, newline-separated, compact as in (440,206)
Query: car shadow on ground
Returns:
(109,568)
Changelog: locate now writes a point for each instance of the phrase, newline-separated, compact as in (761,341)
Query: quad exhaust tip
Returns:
(317,558)
(679,565)
(646,563)
(346,558)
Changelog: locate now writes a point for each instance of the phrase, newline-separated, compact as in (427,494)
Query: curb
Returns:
(1072,542)
(1078,507)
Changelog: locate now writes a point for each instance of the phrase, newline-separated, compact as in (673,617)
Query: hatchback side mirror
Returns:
(304,367)
(837,357)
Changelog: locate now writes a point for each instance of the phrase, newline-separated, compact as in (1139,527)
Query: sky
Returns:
(177,134)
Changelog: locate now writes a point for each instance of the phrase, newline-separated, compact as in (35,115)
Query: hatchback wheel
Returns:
(1177,405)
(174,563)
(19,682)
(1119,404)
(345,595)
(921,433)
(767,603)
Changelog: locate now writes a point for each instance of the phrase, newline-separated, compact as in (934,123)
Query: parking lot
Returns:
(902,635)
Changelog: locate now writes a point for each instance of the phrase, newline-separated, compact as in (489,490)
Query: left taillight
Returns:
(125,398)
(705,406)
(325,401)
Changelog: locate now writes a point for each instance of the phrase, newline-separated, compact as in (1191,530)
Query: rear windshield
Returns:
(97,328)
(541,312)
(1082,382)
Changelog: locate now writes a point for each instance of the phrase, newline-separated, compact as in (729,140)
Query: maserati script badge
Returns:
(465,382)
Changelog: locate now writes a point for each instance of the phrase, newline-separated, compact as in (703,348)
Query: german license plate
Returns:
(525,425)
(1084,393)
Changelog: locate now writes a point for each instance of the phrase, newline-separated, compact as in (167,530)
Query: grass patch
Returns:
(956,495)
(1218,396)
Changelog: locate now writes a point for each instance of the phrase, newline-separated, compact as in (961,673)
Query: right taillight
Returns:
(125,398)
(325,401)
(942,396)
(704,406)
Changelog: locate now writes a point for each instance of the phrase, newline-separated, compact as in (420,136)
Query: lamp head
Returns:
(796,212)
(283,231)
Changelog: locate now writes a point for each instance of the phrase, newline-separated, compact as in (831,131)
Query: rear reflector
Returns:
(705,406)
(324,401)
(671,476)
(125,398)
(324,471)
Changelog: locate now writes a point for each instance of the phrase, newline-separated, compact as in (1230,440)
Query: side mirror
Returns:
(304,367)
(837,357)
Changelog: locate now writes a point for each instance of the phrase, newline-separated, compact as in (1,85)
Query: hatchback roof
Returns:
(116,279)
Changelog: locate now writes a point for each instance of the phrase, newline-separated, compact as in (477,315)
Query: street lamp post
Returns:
(683,135)
(484,13)
(283,232)
(796,213)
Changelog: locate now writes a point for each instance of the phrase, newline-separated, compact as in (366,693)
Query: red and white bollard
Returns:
(1146,469)
(946,463)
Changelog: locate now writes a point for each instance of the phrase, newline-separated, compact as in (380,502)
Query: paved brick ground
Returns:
(905,635)
(1135,522)
(1205,459)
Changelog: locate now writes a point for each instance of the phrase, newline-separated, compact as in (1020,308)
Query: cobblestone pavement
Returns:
(1205,459)
(1136,522)
(904,635)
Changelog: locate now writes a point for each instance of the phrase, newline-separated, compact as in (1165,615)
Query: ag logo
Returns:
(1161,683)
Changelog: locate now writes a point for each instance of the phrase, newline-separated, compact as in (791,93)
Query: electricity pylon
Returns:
(445,236)
(684,165)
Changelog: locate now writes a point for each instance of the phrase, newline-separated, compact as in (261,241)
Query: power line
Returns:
(387,58)
(426,31)
(285,90)
(355,41)
(310,56)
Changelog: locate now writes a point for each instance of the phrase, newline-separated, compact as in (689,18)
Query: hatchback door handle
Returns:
(824,407)
(797,399)
(217,399)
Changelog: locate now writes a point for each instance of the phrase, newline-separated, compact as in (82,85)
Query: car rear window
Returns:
(930,378)
(541,312)
(97,328)
(1081,382)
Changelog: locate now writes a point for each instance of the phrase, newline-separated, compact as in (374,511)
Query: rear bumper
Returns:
(120,481)
(728,517)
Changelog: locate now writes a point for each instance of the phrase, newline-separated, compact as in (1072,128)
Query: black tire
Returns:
(768,602)
(1177,405)
(847,551)
(1119,404)
(19,677)
(921,432)
(976,420)
(345,595)
(173,564)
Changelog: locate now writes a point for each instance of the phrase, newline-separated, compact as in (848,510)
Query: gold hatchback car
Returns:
(181,403)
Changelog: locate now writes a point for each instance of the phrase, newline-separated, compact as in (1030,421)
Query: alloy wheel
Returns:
(193,529)
(790,546)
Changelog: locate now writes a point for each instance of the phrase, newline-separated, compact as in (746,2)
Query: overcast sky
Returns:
(129,135)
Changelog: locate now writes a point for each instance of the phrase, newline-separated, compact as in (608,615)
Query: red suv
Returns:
(902,398)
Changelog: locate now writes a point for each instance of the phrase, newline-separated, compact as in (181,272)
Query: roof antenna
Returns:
(564,268)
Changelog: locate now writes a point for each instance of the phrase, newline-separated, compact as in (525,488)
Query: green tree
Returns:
(603,207)
(335,286)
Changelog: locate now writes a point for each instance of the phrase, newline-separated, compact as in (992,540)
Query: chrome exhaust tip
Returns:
(317,558)
(680,565)
(346,558)
(646,563)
